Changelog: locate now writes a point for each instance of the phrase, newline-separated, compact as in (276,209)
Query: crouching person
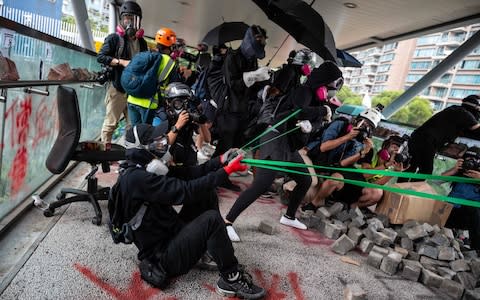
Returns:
(171,243)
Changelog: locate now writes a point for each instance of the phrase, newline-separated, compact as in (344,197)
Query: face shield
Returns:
(176,105)
(131,23)
(158,147)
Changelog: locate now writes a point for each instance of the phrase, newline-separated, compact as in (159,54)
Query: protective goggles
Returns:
(177,103)
(337,84)
(131,20)
(159,145)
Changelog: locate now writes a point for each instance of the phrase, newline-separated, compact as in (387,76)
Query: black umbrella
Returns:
(226,32)
(303,23)
(345,59)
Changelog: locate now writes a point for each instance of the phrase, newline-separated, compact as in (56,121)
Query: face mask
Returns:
(157,167)
(331,93)
(306,70)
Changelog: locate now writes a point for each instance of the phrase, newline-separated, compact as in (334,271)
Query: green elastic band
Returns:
(274,138)
(273,127)
(376,186)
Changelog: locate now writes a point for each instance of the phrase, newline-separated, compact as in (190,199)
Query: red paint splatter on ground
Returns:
(137,288)
(273,291)
(293,278)
(311,238)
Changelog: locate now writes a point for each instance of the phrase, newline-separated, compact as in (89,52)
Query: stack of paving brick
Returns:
(417,252)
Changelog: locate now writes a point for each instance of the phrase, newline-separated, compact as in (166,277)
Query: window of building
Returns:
(423,65)
(381,77)
(462,93)
(467,79)
(390,46)
(387,57)
(427,40)
(424,52)
(470,64)
(437,105)
(440,92)
(383,68)
(413,77)
(446,78)
(378,88)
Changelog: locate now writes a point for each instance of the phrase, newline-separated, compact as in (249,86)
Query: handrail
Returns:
(28,83)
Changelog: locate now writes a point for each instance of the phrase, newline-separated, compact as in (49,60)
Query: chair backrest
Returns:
(70,127)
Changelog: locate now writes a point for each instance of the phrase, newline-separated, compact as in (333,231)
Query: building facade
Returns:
(397,66)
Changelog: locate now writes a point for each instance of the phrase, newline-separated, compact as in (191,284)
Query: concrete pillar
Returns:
(83,24)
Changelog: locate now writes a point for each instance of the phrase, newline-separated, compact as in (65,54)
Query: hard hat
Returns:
(373,115)
(178,90)
(302,56)
(166,37)
(130,7)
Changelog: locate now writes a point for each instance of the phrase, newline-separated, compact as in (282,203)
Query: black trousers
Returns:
(263,179)
(467,218)
(230,129)
(423,153)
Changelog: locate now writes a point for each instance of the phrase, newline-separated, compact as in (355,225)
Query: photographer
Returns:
(466,217)
(115,54)
(179,100)
(171,243)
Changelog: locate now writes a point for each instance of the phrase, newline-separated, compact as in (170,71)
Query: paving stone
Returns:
(358,222)
(375,223)
(385,220)
(459,265)
(341,225)
(410,224)
(424,260)
(440,239)
(343,216)
(431,279)
(446,253)
(436,228)
(354,291)
(448,233)
(406,243)
(456,245)
(475,267)
(365,245)
(402,251)
(343,245)
(356,212)
(381,239)
(471,295)
(413,255)
(411,272)
(322,224)
(466,279)
(375,259)
(452,288)
(390,263)
(446,272)
(414,263)
(355,234)
(470,254)
(323,213)
(369,232)
(383,251)
(429,251)
(392,234)
(267,226)
(335,208)
(428,228)
(332,231)
(416,232)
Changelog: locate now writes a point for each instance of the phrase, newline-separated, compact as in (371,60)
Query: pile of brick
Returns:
(415,251)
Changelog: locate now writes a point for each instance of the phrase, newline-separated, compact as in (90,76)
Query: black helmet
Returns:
(472,104)
(130,7)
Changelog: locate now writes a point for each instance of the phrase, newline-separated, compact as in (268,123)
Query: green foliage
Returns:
(68,19)
(416,112)
(346,96)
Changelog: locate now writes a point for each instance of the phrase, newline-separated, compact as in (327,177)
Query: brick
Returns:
(357,222)
(343,245)
(448,233)
(392,234)
(381,239)
(411,272)
(375,259)
(431,279)
(440,240)
(332,231)
(416,232)
(436,228)
(267,227)
(322,224)
(470,254)
(452,288)
(323,213)
(456,245)
(413,255)
(446,272)
(428,228)
(429,251)
(402,251)
(365,245)
(459,265)
(409,262)
(375,223)
(383,251)
(410,224)
(466,279)
(384,219)
(406,243)
(335,208)
(369,232)
(471,295)
(390,263)
(343,216)
(353,291)
(446,253)
(355,234)
(424,260)
(341,225)
(475,267)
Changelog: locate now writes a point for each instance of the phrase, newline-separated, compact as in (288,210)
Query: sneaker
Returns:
(292,223)
(241,286)
(153,274)
(207,263)
(266,195)
(232,234)
(308,209)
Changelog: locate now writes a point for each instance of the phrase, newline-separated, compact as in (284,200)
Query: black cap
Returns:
(472,99)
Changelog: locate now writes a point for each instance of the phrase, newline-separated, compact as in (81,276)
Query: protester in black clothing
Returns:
(116,52)
(171,243)
(240,74)
(441,128)
(285,148)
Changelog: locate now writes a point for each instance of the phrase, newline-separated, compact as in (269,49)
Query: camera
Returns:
(177,105)
(403,156)
(105,74)
(471,160)
(196,117)
(363,134)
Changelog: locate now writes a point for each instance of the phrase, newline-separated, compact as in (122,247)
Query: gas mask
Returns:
(325,93)
(176,105)
(131,25)
(158,147)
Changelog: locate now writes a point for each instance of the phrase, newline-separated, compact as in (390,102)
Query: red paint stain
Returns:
(43,115)
(211,288)
(18,170)
(311,238)
(137,289)
(293,278)
(273,291)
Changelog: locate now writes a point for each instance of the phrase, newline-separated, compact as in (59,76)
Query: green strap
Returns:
(273,127)
(274,138)
(365,171)
(376,186)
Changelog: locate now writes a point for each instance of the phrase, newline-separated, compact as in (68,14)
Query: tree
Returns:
(416,112)
(347,96)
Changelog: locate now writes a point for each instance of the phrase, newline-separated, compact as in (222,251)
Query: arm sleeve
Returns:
(233,75)
(192,172)
(108,50)
(332,131)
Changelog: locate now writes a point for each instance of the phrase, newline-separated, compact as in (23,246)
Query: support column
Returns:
(456,56)
(83,24)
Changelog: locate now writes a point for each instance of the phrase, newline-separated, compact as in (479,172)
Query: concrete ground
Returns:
(71,258)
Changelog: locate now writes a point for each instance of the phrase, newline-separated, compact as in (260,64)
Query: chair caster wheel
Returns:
(48,212)
(60,196)
(97,221)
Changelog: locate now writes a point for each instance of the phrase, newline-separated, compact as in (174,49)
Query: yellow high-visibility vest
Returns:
(166,66)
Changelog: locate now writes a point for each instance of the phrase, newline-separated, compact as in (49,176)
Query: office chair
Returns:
(67,148)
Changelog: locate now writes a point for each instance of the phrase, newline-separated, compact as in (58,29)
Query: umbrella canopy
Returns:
(345,59)
(226,32)
(303,23)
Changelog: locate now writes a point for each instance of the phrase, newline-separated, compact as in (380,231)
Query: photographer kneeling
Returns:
(171,243)
(179,101)
(466,217)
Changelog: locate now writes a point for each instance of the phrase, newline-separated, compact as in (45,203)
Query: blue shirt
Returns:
(343,151)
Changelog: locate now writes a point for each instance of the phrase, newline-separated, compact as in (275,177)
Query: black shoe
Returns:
(230,186)
(207,263)
(153,274)
(308,209)
(242,287)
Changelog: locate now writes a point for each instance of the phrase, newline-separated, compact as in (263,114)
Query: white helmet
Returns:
(302,57)
(374,115)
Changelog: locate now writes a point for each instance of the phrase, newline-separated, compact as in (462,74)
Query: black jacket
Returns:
(182,185)
(110,50)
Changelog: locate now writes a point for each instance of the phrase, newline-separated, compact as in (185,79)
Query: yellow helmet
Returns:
(166,37)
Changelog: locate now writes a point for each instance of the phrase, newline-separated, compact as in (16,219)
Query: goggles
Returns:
(158,147)
(177,103)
